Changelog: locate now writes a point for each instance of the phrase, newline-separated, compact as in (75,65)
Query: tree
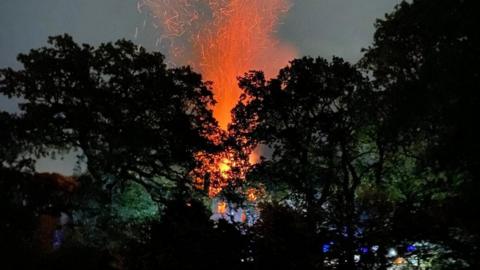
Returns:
(279,240)
(311,117)
(424,59)
(13,150)
(187,239)
(133,118)
(425,63)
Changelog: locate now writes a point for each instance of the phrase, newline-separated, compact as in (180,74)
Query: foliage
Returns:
(310,116)
(383,153)
(186,239)
(131,116)
(119,217)
(425,63)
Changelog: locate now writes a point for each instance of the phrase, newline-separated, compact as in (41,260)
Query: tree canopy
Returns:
(365,166)
(131,116)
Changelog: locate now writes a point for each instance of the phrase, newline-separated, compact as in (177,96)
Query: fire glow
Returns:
(223,39)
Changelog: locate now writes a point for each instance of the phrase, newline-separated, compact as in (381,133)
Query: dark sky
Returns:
(315,27)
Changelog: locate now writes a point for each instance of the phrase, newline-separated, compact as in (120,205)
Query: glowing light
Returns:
(356,258)
(411,248)
(252,194)
(399,261)
(223,39)
(243,217)
(224,167)
(222,207)
(392,252)
(215,171)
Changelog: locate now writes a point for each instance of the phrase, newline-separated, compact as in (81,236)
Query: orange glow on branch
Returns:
(224,167)
(222,39)
(252,194)
(214,171)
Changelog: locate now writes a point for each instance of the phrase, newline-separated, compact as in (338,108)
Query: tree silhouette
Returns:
(383,153)
(131,116)
(311,116)
(425,63)
(187,239)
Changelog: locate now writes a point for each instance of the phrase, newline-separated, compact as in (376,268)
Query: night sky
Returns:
(315,27)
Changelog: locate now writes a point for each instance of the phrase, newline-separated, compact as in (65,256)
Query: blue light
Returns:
(411,248)
(364,250)
(326,248)
(58,238)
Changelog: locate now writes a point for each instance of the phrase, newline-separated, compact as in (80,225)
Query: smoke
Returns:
(223,39)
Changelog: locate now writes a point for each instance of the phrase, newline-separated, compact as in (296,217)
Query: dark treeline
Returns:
(372,165)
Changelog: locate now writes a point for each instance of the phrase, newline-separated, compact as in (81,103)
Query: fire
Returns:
(214,171)
(252,194)
(222,39)
(224,167)
(222,207)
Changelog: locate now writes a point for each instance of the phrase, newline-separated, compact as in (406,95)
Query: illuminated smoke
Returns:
(222,39)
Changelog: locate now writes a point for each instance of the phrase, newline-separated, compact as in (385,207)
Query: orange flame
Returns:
(222,207)
(223,39)
(252,194)
(224,167)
